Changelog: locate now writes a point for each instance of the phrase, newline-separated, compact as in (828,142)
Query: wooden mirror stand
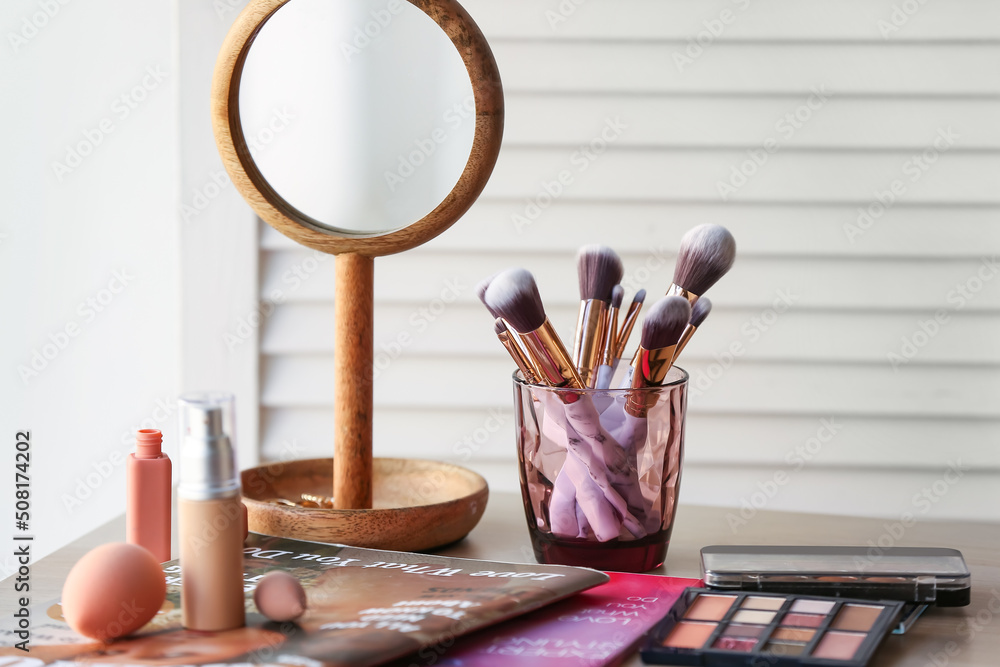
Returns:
(352,476)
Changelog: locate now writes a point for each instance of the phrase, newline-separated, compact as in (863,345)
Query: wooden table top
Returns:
(954,637)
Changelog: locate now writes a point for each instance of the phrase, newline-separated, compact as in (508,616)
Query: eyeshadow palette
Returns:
(919,575)
(711,628)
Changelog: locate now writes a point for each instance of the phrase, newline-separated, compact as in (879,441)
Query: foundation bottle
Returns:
(210,516)
(147,481)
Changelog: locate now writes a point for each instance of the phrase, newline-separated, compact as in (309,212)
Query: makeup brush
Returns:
(516,353)
(608,356)
(661,329)
(599,269)
(706,254)
(699,311)
(508,341)
(481,288)
(626,329)
(513,295)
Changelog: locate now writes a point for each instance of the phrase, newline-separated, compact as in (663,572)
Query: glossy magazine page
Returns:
(600,627)
(366,607)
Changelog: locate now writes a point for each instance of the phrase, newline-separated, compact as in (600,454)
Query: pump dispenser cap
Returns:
(208,463)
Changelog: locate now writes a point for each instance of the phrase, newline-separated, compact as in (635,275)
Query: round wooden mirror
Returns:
(386,147)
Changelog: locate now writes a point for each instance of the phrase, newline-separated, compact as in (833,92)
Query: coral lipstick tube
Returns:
(147,515)
(211,516)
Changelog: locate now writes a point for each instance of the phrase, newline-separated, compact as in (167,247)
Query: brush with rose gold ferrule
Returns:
(516,353)
(513,295)
(661,330)
(599,269)
(608,354)
(513,346)
(706,253)
(631,316)
(699,311)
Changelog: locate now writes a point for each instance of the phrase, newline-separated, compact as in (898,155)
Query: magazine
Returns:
(366,607)
(600,627)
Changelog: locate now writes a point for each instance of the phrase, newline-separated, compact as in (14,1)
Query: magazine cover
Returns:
(600,627)
(366,607)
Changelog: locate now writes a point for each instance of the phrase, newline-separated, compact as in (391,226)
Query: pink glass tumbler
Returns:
(600,471)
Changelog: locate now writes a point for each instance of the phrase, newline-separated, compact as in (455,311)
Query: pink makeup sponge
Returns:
(113,591)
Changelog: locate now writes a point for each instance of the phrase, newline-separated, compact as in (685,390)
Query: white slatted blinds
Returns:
(812,412)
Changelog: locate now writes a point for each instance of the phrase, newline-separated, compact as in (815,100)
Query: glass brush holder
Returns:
(600,471)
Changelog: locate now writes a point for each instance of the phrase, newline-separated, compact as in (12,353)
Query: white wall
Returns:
(97,78)
(857,288)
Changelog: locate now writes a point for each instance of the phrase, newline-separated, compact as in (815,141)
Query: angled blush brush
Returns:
(706,253)
(599,269)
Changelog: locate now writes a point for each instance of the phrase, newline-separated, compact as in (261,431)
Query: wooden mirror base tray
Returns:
(417,504)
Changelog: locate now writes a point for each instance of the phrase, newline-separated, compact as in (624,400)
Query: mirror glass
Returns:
(358,113)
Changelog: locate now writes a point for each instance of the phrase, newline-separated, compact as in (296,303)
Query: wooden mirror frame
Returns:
(354,306)
(486,89)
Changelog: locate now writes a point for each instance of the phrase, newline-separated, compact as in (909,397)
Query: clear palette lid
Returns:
(911,574)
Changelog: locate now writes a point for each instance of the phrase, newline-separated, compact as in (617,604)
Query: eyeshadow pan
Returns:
(689,635)
(735,643)
(756,602)
(838,645)
(856,617)
(731,629)
(753,616)
(709,607)
(783,648)
(803,620)
(793,634)
(812,606)
(736,630)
